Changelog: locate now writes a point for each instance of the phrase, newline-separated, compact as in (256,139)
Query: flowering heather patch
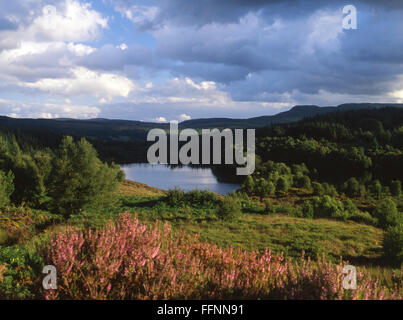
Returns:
(128,260)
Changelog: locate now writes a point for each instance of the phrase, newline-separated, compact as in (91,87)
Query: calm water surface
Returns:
(186,178)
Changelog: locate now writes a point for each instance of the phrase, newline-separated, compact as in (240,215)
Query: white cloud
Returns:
(86,82)
(193,95)
(49,40)
(80,49)
(17,109)
(324,29)
(139,14)
(184,116)
(122,46)
(160,119)
(72,21)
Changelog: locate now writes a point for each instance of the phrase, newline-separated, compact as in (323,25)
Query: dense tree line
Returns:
(365,144)
(65,179)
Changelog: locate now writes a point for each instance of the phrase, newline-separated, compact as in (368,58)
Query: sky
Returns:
(164,60)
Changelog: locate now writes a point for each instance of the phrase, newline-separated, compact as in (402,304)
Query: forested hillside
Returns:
(324,188)
(365,144)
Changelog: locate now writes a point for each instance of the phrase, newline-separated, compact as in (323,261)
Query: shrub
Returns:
(128,260)
(269,208)
(282,184)
(201,198)
(303,182)
(328,207)
(230,208)
(22,276)
(317,189)
(6,188)
(387,213)
(393,244)
(18,223)
(329,189)
(349,207)
(249,185)
(307,210)
(264,187)
(363,217)
(396,188)
(175,197)
(352,187)
(376,188)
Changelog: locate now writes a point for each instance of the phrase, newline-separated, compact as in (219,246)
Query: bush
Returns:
(317,189)
(175,197)
(303,182)
(282,185)
(6,188)
(249,185)
(363,217)
(376,188)
(307,210)
(396,188)
(21,279)
(387,213)
(393,244)
(352,187)
(349,207)
(230,208)
(201,198)
(264,187)
(328,207)
(329,190)
(269,208)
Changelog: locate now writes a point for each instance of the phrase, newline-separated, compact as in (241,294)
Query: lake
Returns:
(187,178)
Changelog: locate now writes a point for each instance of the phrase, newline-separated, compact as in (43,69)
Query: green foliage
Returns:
(23,273)
(6,188)
(352,187)
(329,207)
(349,207)
(195,198)
(363,217)
(387,213)
(121,175)
(308,210)
(175,197)
(329,189)
(201,198)
(376,188)
(79,180)
(303,182)
(282,184)
(393,243)
(230,208)
(264,187)
(396,188)
(269,208)
(249,185)
(318,189)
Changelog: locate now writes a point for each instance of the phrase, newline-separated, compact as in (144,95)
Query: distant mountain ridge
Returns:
(296,113)
(125,130)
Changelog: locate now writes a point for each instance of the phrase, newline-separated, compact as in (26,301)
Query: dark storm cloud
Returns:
(258,49)
(200,12)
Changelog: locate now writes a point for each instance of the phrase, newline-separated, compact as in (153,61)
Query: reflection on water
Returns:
(184,177)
